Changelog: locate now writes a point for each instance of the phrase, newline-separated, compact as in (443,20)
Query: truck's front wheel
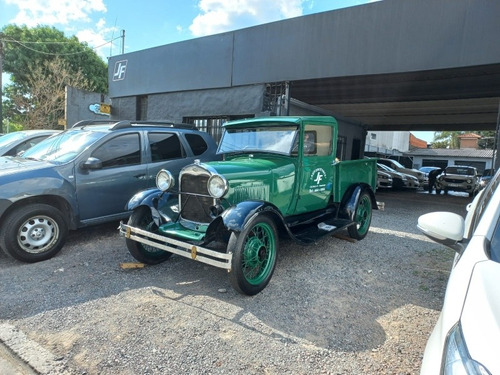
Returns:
(254,255)
(362,217)
(33,233)
(143,219)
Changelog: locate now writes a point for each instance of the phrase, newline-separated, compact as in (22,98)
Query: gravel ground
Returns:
(337,307)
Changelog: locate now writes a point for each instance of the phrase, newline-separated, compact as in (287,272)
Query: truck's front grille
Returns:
(194,199)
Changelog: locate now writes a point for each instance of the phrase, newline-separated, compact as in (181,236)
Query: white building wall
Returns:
(387,142)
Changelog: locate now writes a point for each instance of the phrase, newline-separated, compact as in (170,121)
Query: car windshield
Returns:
(63,147)
(397,164)
(388,169)
(277,139)
(460,171)
(8,139)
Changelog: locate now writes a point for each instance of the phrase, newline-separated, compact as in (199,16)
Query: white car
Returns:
(466,337)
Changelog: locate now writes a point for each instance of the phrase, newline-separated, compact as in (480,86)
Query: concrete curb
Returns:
(21,356)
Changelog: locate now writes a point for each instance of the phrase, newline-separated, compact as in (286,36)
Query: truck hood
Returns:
(249,167)
(253,178)
(11,164)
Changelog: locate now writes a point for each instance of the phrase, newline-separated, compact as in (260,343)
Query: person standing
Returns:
(432,178)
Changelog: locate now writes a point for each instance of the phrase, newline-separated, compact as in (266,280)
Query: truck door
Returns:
(316,172)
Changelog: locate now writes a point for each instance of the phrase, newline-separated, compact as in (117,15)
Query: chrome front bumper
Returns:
(186,250)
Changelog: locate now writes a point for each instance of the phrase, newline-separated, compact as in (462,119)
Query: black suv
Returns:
(84,176)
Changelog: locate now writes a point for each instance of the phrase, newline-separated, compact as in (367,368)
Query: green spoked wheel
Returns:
(143,219)
(254,255)
(362,218)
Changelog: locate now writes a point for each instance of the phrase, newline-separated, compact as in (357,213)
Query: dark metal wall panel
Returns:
(390,36)
(196,64)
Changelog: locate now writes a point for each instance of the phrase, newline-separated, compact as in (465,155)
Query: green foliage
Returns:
(26,47)
(450,139)
(42,61)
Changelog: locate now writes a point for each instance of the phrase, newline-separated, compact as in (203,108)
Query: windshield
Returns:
(267,139)
(63,147)
(460,171)
(388,169)
(10,138)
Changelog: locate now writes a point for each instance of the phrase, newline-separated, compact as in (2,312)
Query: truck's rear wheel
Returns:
(362,217)
(254,255)
(143,219)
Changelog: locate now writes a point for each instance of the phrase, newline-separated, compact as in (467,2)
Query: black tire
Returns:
(143,219)
(33,233)
(254,255)
(362,217)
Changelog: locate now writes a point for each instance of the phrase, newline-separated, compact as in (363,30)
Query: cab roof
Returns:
(282,120)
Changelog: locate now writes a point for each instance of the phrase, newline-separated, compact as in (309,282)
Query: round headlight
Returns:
(217,186)
(164,180)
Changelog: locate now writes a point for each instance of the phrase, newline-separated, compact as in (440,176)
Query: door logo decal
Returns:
(318,180)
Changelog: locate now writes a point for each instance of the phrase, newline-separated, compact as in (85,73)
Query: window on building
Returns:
(120,151)
(373,136)
(213,124)
(142,108)
(434,163)
(165,146)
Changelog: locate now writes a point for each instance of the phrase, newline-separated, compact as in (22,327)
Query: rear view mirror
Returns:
(445,228)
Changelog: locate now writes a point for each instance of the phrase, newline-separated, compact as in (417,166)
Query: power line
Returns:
(25,45)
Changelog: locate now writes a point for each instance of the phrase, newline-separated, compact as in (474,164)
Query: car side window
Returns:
(495,244)
(119,151)
(197,143)
(165,146)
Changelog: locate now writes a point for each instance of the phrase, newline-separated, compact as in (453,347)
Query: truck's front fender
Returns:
(144,198)
(234,218)
(351,198)
(163,205)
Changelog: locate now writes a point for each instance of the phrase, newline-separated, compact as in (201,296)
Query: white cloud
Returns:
(100,38)
(224,15)
(53,12)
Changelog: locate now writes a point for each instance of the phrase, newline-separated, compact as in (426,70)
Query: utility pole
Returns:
(123,42)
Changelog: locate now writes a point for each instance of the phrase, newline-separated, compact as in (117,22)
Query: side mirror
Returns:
(92,163)
(445,228)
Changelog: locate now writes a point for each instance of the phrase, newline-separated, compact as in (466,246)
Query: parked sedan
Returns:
(399,180)
(85,176)
(466,336)
(394,164)
(384,180)
(16,143)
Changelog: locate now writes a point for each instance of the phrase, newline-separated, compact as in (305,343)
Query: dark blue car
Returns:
(85,176)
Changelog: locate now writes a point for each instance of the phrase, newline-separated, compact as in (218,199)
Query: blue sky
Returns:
(152,23)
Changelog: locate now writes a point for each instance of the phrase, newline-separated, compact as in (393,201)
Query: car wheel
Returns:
(143,219)
(362,218)
(34,233)
(254,255)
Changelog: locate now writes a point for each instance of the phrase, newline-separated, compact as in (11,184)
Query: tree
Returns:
(45,103)
(450,139)
(446,139)
(41,62)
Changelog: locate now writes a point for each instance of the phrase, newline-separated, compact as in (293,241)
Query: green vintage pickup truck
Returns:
(278,177)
